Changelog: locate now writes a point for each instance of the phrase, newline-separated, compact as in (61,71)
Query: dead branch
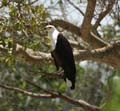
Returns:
(109,54)
(77,8)
(80,103)
(86,25)
(49,75)
(63,10)
(28,93)
(104,13)
(96,43)
(66,25)
(31,56)
(51,94)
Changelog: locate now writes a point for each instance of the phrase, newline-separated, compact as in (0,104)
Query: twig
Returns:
(76,7)
(66,25)
(32,56)
(110,56)
(63,10)
(7,3)
(86,25)
(31,3)
(100,39)
(51,94)
(104,13)
(79,103)
(28,93)
(49,75)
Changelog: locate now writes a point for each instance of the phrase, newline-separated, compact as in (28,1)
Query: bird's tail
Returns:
(70,83)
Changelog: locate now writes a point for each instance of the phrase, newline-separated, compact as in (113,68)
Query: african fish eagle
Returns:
(63,55)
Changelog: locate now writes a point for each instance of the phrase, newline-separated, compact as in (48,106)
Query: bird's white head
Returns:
(50,28)
(53,34)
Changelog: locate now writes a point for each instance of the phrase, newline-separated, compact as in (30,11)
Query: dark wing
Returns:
(65,54)
(56,59)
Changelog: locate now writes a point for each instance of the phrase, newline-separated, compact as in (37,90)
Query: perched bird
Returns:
(63,55)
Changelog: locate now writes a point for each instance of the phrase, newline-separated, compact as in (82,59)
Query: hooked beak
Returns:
(46,29)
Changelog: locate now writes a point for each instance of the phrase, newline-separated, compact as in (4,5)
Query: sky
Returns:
(72,14)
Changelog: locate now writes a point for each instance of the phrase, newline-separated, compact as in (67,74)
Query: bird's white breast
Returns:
(53,36)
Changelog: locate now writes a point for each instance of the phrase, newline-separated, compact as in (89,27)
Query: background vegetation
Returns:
(25,48)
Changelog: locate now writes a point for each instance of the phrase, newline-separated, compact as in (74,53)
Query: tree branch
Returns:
(49,75)
(96,43)
(76,7)
(50,95)
(7,3)
(86,25)
(63,10)
(66,25)
(31,56)
(104,13)
(109,54)
(80,103)
(28,93)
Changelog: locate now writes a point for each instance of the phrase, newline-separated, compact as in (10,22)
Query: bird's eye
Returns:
(49,28)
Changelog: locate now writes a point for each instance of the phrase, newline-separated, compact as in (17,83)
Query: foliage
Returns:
(113,98)
(111,31)
(23,23)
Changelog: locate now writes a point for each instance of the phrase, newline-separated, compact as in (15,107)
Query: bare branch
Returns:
(63,10)
(28,93)
(96,42)
(104,13)
(7,3)
(80,103)
(33,2)
(76,7)
(86,25)
(50,95)
(66,25)
(2,49)
(49,75)
(31,56)
(109,55)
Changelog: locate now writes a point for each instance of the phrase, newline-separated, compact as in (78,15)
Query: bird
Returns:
(62,54)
